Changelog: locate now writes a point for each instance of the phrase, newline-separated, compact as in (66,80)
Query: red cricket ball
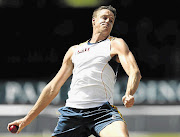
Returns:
(13,128)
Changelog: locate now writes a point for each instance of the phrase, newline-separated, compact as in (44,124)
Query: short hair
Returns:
(112,9)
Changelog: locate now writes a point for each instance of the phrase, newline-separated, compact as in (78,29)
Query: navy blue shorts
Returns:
(84,122)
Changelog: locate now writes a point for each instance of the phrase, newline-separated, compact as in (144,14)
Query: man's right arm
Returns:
(49,92)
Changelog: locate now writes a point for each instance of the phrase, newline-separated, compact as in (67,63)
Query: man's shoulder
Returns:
(119,44)
(72,48)
(78,45)
(81,44)
(115,39)
(118,41)
(111,38)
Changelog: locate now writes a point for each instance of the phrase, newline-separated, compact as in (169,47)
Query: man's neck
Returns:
(97,38)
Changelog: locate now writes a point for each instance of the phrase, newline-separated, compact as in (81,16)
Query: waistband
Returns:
(106,105)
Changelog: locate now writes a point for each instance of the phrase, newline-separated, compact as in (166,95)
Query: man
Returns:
(89,108)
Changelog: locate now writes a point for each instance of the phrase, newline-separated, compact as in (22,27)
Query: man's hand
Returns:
(21,123)
(128,100)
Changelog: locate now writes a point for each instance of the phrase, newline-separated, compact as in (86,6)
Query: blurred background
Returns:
(35,35)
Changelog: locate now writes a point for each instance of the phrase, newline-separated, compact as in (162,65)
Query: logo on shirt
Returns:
(83,50)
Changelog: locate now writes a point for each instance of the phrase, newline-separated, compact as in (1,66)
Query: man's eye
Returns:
(105,18)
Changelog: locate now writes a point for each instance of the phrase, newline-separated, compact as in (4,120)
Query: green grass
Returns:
(157,135)
(165,135)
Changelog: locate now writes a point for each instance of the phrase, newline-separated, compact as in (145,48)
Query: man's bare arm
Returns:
(130,66)
(49,92)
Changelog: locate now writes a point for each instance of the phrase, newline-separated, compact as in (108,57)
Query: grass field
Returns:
(131,135)
(156,135)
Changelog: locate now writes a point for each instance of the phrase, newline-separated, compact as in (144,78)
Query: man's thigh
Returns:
(79,132)
(115,129)
(70,124)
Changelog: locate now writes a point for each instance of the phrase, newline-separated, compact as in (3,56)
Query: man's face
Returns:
(104,21)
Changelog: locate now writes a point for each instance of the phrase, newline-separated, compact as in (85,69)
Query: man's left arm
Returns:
(130,66)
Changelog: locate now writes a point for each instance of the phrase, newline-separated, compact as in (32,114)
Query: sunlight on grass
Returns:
(156,135)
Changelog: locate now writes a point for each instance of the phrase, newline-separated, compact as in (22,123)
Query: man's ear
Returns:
(93,21)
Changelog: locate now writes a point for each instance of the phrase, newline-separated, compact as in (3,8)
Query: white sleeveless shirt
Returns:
(93,78)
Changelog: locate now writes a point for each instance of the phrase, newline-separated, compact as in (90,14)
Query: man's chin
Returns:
(106,30)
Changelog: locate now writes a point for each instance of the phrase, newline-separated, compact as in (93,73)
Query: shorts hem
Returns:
(100,129)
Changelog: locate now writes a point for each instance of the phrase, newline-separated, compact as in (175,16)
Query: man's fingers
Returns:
(18,123)
(123,98)
(125,102)
(19,130)
(10,124)
(21,126)
(129,102)
(129,105)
